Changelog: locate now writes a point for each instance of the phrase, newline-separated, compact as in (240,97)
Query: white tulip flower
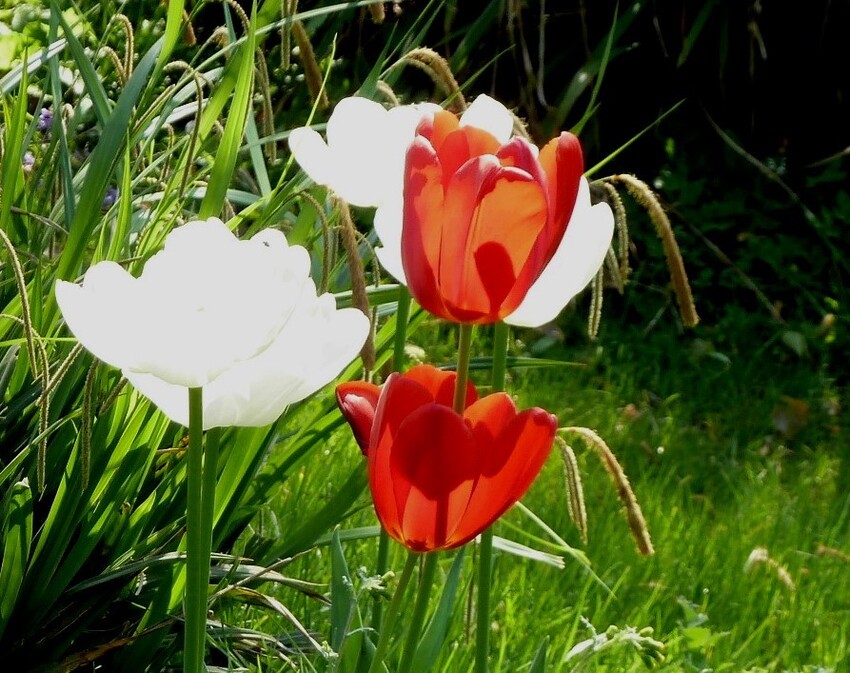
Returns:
(363,158)
(239,319)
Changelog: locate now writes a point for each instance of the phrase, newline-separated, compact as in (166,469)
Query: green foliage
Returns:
(731,435)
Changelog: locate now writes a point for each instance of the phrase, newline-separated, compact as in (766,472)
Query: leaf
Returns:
(100,165)
(346,631)
(343,601)
(231,140)
(523,551)
(539,663)
(435,635)
(16,540)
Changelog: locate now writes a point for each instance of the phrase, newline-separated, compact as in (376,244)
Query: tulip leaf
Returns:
(333,511)
(173,29)
(93,81)
(350,534)
(524,551)
(515,362)
(10,80)
(343,601)
(58,130)
(346,631)
(228,149)
(539,663)
(12,167)
(100,165)
(16,541)
(435,635)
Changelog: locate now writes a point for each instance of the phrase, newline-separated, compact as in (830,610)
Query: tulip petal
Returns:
(310,350)
(433,464)
(437,127)
(312,154)
(497,214)
(357,400)
(490,115)
(461,146)
(441,384)
(199,311)
(487,418)
(387,223)
(563,163)
(100,313)
(353,129)
(360,130)
(422,230)
(577,259)
(399,398)
(517,456)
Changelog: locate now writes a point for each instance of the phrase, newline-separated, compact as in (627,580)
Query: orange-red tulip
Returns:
(439,478)
(482,219)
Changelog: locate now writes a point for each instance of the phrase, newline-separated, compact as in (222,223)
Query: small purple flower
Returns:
(28,162)
(45,120)
(109,198)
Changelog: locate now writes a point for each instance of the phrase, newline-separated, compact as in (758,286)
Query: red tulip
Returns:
(482,219)
(439,478)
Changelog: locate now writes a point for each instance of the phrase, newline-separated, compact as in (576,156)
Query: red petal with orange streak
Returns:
(399,398)
(437,127)
(433,465)
(515,458)
(357,400)
(441,384)
(422,225)
(497,214)
(563,163)
(462,145)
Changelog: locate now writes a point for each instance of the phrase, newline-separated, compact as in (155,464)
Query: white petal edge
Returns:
(356,140)
(577,259)
(387,223)
(490,115)
(312,154)
(100,313)
(256,392)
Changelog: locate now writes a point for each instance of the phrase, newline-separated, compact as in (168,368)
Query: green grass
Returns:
(716,481)
(693,417)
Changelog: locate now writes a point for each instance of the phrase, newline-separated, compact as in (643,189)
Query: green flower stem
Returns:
(392,613)
(197,567)
(402,316)
(501,333)
(464,342)
(380,570)
(211,445)
(485,562)
(426,581)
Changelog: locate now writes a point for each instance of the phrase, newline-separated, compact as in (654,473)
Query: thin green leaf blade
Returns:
(17,538)
(435,635)
(231,140)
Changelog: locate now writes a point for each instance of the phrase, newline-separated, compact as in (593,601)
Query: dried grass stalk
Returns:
(760,556)
(438,69)
(358,279)
(312,72)
(646,198)
(634,515)
(575,490)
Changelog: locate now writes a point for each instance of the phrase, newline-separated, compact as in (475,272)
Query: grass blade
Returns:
(17,537)
(435,635)
(228,150)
